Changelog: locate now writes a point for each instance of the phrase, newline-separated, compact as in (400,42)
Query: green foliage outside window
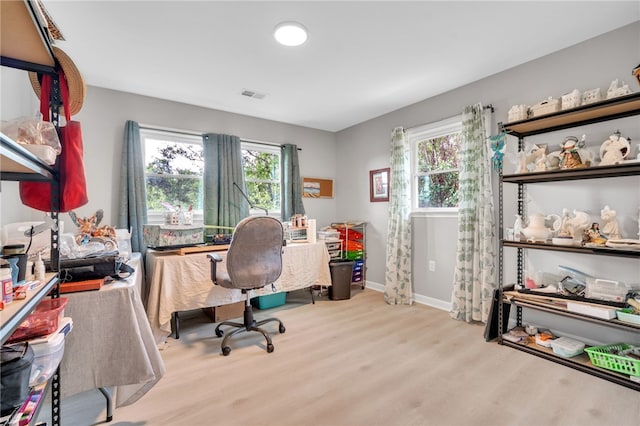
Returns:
(437,170)
(174,171)
(262,178)
(174,175)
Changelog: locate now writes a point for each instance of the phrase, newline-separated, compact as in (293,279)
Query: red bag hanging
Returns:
(73,185)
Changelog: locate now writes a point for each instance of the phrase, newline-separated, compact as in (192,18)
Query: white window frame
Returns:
(272,149)
(419,134)
(157,216)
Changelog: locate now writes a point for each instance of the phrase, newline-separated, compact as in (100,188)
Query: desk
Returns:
(111,344)
(180,283)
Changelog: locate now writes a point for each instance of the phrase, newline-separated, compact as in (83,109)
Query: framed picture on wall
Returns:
(379,185)
(317,187)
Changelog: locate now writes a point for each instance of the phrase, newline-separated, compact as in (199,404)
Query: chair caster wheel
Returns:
(227,350)
(219,333)
(270,347)
(281,329)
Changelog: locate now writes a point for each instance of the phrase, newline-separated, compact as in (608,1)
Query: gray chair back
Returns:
(254,258)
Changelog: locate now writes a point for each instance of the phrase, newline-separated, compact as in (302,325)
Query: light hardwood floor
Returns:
(361,362)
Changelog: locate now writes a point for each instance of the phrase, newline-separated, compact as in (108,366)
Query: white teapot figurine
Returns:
(537,231)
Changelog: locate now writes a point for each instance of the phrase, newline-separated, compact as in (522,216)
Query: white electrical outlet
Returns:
(432,265)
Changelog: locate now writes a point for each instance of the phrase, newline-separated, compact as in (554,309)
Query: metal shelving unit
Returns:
(355,248)
(25,44)
(611,109)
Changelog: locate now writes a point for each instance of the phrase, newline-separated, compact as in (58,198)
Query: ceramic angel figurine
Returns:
(611,228)
(614,150)
(563,225)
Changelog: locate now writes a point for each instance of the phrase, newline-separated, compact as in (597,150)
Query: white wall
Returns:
(17,100)
(593,63)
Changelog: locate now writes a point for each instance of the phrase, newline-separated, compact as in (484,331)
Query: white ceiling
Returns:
(363,58)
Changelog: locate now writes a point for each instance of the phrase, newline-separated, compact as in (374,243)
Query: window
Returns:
(434,165)
(261,165)
(174,166)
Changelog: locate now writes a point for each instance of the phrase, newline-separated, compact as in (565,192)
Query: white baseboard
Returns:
(418,298)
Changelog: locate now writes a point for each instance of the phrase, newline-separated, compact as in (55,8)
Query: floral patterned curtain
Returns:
(397,288)
(474,276)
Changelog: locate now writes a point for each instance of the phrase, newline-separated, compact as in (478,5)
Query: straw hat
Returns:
(75,81)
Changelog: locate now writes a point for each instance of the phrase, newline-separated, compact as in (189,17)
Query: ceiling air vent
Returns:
(252,94)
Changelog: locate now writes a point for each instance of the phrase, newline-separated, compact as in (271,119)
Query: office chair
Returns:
(254,260)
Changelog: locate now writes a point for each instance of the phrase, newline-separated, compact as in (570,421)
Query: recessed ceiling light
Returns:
(290,34)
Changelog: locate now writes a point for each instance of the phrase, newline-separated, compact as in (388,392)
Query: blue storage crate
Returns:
(270,300)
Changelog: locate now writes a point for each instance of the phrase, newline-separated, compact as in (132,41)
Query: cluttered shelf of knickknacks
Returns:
(593,172)
(15,312)
(581,361)
(583,308)
(619,362)
(617,107)
(598,250)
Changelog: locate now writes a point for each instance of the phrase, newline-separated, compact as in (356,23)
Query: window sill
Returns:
(436,213)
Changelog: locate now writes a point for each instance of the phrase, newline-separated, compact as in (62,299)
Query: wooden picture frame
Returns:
(379,185)
(317,188)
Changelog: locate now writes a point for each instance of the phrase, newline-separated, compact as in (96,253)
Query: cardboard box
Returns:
(225,312)
(172,235)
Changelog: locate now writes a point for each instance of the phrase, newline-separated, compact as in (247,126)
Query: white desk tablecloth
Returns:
(183,282)
(111,343)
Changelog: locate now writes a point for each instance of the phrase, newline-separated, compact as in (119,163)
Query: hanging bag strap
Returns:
(45,95)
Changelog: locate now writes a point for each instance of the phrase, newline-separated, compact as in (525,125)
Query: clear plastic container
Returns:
(47,355)
(567,347)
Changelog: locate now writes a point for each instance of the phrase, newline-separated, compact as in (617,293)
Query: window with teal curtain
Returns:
(224,204)
(132,212)
(291,182)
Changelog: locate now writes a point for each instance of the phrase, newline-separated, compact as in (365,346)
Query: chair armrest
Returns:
(214,258)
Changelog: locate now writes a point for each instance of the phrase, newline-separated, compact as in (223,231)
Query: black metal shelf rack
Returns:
(25,44)
(610,109)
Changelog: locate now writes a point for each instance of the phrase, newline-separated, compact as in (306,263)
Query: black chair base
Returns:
(249,324)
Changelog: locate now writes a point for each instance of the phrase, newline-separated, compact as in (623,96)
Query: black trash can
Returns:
(341,272)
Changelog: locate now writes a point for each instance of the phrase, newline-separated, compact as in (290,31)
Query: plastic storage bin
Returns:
(270,300)
(47,355)
(607,357)
(43,321)
(567,347)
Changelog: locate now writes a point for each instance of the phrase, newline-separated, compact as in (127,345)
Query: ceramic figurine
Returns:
(614,150)
(578,223)
(592,235)
(564,230)
(571,153)
(611,228)
(617,89)
(533,159)
(553,160)
(537,230)
(517,228)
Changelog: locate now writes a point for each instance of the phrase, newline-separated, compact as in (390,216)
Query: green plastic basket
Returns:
(601,356)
